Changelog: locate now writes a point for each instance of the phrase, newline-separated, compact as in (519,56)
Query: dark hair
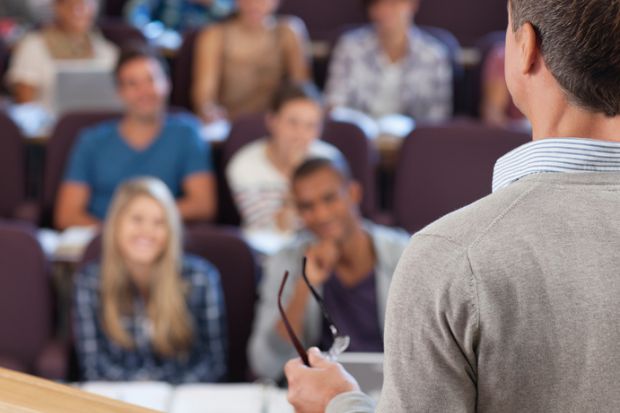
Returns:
(579,41)
(312,165)
(289,91)
(136,50)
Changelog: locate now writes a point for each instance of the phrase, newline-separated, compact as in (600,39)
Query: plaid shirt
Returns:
(359,65)
(101,358)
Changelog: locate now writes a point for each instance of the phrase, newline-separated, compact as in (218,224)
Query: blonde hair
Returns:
(172,332)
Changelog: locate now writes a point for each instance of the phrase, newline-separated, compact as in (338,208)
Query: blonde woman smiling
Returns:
(147,311)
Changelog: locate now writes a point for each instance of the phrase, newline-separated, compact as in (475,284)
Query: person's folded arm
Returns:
(72,206)
(207,73)
(199,201)
(297,47)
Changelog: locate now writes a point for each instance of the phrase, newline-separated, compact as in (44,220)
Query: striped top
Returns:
(556,155)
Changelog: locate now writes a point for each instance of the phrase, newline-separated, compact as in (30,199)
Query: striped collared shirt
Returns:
(556,155)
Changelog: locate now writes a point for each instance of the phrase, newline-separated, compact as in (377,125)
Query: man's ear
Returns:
(529,52)
(355,192)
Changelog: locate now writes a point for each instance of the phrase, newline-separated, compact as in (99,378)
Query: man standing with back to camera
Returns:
(511,304)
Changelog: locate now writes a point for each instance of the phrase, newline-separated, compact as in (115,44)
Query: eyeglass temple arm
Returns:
(296,343)
(318,298)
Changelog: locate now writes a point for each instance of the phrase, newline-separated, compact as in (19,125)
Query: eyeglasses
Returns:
(341,342)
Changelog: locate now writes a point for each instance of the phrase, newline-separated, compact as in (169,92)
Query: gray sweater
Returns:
(511,304)
(268,352)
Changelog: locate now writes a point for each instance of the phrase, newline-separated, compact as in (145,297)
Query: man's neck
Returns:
(395,43)
(357,257)
(140,131)
(553,116)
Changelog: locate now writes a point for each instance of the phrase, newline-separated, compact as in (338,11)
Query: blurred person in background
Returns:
(241,63)
(350,261)
(497,107)
(259,174)
(391,67)
(146,141)
(146,310)
(69,40)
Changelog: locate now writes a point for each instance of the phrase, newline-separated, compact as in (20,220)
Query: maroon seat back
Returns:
(443,168)
(466,20)
(119,32)
(225,249)
(361,156)
(183,71)
(58,150)
(324,17)
(26,307)
(12,161)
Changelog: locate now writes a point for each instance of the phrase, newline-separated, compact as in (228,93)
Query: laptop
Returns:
(82,87)
(367,368)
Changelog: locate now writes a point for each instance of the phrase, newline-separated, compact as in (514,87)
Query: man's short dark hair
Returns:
(312,165)
(134,51)
(290,91)
(580,43)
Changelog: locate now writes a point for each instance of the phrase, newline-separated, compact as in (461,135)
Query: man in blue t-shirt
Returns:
(145,142)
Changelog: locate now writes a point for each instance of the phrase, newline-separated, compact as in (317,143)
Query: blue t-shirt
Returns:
(103,160)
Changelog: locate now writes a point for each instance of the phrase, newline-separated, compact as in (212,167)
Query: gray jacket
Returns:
(511,304)
(268,352)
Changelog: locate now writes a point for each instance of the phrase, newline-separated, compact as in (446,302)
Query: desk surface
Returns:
(196,398)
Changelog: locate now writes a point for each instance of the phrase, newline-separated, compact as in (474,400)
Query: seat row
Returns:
(439,168)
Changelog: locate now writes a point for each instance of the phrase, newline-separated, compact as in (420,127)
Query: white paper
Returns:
(152,395)
(232,398)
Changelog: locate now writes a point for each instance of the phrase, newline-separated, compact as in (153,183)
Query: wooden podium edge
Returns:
(23,393)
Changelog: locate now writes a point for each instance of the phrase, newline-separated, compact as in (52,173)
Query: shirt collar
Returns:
(556,155)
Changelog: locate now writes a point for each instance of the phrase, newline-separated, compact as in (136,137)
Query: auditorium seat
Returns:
(58,150)
(443,168)
(13,203)
(27,306)
(238,269)
(324,17)
(466,20)
(183,72)
(119,32)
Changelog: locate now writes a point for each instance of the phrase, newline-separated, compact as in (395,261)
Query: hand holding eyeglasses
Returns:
(311,389)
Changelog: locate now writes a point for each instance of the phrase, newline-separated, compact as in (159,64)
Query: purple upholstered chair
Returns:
(13,203)
(348,138)
(324,17)
(58,151)
(466,21)
(443,168)
(225,249)
(26,306)
(183,72)
(119,32)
